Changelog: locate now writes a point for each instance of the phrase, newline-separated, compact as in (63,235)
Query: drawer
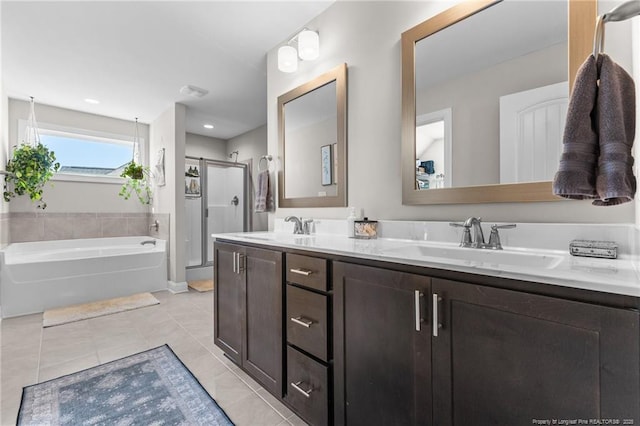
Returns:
(307,321)
(307,271)
(307,387)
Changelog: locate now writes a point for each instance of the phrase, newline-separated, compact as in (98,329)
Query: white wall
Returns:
(63,196)
(206,147)
(251,146)
(373,56)
(168,132)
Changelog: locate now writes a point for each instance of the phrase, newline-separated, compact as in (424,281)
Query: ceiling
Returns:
(134,56)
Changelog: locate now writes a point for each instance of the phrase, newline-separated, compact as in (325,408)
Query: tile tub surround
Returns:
(550,241)
(31,354)
(42,226)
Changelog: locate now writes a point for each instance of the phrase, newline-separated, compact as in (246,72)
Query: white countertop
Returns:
(617,276)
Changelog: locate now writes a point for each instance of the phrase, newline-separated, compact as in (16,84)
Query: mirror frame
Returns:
(582,16)
(339,75)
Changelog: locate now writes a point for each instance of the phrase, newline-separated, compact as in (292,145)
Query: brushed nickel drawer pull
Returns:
(304,272)
(418,316)
(302,321)
(437,325)
(306,393)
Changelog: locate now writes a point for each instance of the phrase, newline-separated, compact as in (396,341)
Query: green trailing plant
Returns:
(136,182)
(28,170)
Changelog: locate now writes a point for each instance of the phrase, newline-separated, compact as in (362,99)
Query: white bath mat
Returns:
(84,311)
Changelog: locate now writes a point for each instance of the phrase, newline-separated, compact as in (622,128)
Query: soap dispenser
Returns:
(350,222)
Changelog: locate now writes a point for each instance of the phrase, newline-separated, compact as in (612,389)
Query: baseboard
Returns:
(175,287)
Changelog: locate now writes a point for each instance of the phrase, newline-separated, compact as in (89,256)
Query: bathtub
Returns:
(50,274)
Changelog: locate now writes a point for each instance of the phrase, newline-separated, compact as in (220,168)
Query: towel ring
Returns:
(268,159)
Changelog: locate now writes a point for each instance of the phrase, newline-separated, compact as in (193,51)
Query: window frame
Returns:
(89,135)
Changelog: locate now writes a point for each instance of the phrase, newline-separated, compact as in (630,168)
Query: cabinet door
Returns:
(263,351)
(508,358)
(382,356)
(228,302)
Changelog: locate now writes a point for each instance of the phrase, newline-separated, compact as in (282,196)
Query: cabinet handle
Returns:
(304,272)
(417,295)
(306,393)
(235,263)
(302,321)
(436,318)
(241,266)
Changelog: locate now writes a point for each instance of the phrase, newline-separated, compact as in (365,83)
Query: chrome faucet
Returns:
(297,224)
(478,235)
(494,238)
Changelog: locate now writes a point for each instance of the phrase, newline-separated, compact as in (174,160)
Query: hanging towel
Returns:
(615,182)
(264,199)
(576,175)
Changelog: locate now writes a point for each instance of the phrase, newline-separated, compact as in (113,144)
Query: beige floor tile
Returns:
(226,388)
(205,366)
(113,353)
(253,411)
(283,410)
(9,409)
(67,367)
(296,421)
(247,379)
(59,351)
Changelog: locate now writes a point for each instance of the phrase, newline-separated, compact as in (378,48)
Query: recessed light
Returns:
(92,101)
(208,126)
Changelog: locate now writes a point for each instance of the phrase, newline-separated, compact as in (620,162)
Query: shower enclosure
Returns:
(216,202)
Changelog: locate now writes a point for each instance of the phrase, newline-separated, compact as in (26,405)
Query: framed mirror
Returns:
(312,141)
(485,86)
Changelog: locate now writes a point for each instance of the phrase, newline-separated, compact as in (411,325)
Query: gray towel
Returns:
(615,181)
(264,199)
(576,175)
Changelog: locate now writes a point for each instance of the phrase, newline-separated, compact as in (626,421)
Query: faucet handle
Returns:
(494,238)
(306,226)
(466,233)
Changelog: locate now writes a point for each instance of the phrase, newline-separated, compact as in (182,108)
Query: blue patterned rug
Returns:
(149,388)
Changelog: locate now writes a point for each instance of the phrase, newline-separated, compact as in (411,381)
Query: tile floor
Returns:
(30,354)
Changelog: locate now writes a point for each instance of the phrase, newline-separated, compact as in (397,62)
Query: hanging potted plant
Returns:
(136,177)
(30,167)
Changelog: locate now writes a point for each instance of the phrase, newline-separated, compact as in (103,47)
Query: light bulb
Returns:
(308,45)
(287,59)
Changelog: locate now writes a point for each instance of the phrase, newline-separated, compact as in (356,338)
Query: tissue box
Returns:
(592,248)
(366,229)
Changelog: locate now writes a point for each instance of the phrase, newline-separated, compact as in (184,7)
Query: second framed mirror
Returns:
(312,141)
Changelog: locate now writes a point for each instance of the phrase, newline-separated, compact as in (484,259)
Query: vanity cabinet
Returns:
(411,350)
(505,357)
(248,310)
(382,344)
(309,355)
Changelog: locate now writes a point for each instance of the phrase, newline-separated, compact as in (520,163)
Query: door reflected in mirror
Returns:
(313,143)
(433,150)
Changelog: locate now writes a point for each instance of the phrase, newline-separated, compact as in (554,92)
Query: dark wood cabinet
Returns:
(348,344)
(504,357)
(248,310)
(382,347)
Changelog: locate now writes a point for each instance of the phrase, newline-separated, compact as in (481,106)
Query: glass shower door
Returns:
(226,205)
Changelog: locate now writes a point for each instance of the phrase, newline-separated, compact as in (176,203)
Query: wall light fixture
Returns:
(308,49)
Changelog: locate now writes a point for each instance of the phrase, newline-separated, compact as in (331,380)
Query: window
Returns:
(86,155)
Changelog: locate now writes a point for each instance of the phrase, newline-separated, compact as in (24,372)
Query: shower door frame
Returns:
(203,163)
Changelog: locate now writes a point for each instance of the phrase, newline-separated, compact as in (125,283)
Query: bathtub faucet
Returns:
(149,242)
(154,226)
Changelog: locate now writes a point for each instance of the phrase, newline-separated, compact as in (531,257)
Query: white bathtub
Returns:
(50,274)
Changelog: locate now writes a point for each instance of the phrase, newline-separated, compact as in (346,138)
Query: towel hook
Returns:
(268,158)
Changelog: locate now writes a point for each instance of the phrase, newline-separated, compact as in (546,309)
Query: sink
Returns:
(478,257)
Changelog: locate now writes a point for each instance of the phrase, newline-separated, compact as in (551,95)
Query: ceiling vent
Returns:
(194,91)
